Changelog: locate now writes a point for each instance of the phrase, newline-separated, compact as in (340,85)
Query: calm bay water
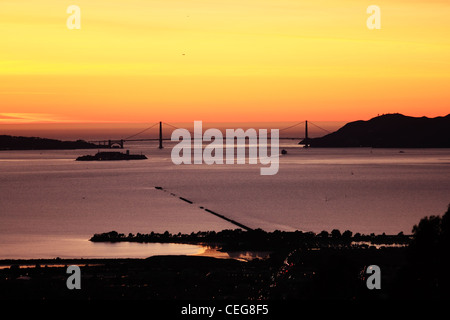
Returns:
(50,205)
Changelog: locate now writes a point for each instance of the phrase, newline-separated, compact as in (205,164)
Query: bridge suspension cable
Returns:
(192,133)
(175,127)
(289,127)
(282,129)
(320,127)
(134,135)
(170,125)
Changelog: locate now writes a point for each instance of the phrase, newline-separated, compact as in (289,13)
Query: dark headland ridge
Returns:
(34,143)
(389,131)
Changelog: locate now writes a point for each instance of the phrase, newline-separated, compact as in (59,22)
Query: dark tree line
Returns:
(258,239)
(426,274)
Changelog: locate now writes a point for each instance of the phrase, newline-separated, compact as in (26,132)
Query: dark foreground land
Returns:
(332,273)
(301,266)
(312,274)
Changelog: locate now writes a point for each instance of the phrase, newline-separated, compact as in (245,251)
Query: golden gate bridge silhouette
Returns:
(119,143)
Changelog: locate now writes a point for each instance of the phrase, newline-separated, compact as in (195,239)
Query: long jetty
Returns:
(240,225)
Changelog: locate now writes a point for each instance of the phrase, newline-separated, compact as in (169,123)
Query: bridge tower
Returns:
(306,135)
(160,135)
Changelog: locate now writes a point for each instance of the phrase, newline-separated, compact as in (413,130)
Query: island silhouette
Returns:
(111,156)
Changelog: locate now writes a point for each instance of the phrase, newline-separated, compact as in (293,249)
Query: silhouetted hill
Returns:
(390,131)
(33,143)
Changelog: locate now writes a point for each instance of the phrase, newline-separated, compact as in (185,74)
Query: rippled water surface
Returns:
(50,204)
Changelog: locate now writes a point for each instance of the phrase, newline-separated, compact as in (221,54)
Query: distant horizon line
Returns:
(119,130)
(20,121)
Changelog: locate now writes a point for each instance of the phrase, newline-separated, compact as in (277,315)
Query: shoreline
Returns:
(226,244)
(260,240)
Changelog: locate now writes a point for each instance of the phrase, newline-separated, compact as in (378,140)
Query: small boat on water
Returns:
(112,155)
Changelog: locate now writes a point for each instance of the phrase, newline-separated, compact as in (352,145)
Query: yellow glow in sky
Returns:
(223,60)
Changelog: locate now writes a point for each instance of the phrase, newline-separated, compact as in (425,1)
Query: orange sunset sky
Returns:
(222,60)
